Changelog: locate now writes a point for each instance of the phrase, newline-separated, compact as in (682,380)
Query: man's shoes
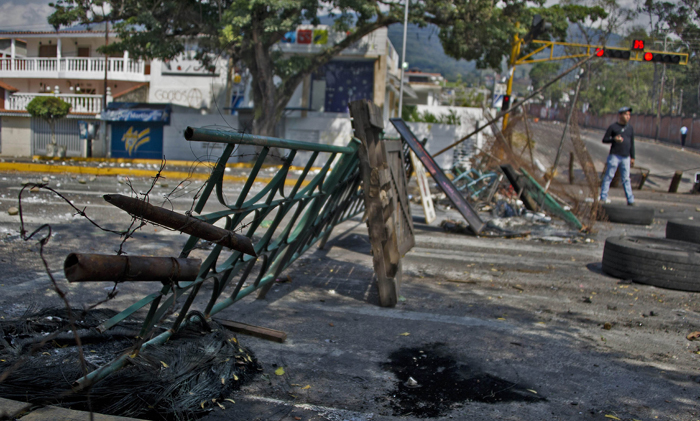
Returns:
(631,204)
(606,201)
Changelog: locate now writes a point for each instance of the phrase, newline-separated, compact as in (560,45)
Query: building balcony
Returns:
(91,104)
(118,69)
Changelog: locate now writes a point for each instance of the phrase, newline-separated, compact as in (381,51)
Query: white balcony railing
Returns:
(79,103)
(117,68)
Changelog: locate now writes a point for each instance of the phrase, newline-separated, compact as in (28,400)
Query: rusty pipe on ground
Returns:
(183,223)
(112,268)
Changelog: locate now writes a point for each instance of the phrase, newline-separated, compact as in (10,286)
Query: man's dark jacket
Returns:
(624,148)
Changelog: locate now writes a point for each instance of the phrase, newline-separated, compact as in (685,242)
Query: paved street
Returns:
(490,328)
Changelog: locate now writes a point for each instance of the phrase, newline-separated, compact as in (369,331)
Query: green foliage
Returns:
(49,108)
(248,31)
(411,113)
(542,72)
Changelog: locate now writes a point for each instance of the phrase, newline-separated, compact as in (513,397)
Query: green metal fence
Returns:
(300,217)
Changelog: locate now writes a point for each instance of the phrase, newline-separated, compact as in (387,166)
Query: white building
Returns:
(66,64)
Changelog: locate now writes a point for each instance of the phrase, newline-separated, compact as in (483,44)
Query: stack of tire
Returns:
(672,262)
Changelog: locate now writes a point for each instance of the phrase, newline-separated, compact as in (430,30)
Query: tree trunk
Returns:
(52,125)
(264,90)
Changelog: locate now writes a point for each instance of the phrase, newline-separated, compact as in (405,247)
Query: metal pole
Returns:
(661,96)
(514,52)
(563,135)
(403,60)
(104,94)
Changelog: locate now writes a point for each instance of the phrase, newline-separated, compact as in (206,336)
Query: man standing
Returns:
(621,137)
(684,133)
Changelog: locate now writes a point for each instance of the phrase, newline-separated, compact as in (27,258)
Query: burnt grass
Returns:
(442,383)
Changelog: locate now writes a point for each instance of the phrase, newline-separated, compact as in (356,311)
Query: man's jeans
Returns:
(613,162)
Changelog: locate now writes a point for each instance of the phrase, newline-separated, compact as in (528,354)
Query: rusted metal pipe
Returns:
(183,223)
(112,268)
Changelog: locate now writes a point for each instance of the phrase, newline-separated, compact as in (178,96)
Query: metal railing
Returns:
(283,225)
(79,103)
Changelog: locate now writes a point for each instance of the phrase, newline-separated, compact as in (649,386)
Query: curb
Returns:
(158,162)
(109,171)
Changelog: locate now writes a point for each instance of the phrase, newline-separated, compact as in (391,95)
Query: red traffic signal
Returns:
(610,53)
(506,102)
(662,58)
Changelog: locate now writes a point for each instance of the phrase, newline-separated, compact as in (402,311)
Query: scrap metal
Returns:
(80,267)
(184,223)
(300,217)
(467,211)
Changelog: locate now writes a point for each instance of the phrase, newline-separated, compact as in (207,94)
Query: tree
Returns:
(248,31)
(50,109)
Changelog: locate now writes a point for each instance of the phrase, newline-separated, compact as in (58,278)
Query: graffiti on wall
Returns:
(190,97)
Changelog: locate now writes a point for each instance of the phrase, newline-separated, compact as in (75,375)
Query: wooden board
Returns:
(402,208)
(387,213)
(257,331)
(459,202)
(425,197)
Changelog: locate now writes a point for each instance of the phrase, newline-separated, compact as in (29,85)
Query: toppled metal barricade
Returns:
(302,216)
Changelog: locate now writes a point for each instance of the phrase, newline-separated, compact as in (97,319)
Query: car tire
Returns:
(660,262)
(624,214)
(683,230)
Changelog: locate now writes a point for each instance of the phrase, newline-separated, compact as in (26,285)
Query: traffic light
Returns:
(638,44)
(539,25)
(662,58)
(610,53)
(506,103)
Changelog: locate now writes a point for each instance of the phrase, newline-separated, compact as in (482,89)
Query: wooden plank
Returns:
(425,197)
(386,258)
(402,211)
(8,408)
(250,330)
(53,413)
(469,214)
(519,186)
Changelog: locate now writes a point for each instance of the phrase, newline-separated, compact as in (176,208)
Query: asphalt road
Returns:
(490,329)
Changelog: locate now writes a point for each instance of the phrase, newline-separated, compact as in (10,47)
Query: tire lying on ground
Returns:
(636,215)
(660,262)
(683,230)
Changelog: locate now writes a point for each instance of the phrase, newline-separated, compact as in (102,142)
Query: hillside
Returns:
(424,52)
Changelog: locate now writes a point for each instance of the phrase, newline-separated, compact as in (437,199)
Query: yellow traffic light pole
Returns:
(514,53)
(635,55)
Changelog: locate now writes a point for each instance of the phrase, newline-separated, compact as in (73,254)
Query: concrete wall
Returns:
(644,125)
(442,135)
(317,128)
(16,136)
(175,147)
(187,88)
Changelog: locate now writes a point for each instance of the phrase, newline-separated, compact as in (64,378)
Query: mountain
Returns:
(424,51)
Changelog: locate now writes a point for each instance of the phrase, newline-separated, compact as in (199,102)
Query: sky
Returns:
(16,15)
(29,15)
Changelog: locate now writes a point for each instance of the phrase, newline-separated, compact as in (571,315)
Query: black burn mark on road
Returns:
(441,383)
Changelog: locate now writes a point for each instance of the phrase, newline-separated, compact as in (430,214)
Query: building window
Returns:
(83,51)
